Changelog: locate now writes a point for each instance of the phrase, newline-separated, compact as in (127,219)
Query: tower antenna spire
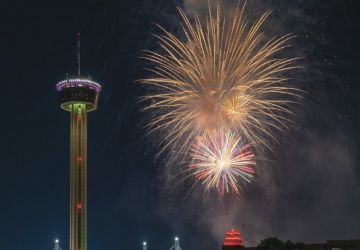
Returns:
(78,53)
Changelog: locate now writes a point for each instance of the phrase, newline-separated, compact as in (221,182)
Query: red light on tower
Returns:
(233,240)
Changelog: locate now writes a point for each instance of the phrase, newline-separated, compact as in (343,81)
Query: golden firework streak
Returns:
(224,76)
(225,84)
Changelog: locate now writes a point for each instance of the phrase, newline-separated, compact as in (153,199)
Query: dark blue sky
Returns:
(312,187)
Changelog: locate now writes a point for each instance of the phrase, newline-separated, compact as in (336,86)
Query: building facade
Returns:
(234,241)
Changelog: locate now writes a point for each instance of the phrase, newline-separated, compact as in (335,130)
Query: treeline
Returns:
(276,244)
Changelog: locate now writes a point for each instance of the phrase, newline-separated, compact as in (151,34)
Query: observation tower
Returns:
(78,95)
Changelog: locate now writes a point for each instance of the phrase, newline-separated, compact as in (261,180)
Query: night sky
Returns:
(311,188)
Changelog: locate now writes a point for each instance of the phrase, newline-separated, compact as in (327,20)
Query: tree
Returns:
(273,243)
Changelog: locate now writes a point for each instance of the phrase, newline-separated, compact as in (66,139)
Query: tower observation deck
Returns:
(78,95)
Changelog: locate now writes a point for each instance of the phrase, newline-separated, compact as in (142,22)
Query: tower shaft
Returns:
(78,176)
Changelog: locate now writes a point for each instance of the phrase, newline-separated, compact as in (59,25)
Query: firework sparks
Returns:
(222,162)
(223,76)
(218,92)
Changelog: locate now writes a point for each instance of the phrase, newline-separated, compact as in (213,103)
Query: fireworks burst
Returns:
(222,162)
(224,77)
